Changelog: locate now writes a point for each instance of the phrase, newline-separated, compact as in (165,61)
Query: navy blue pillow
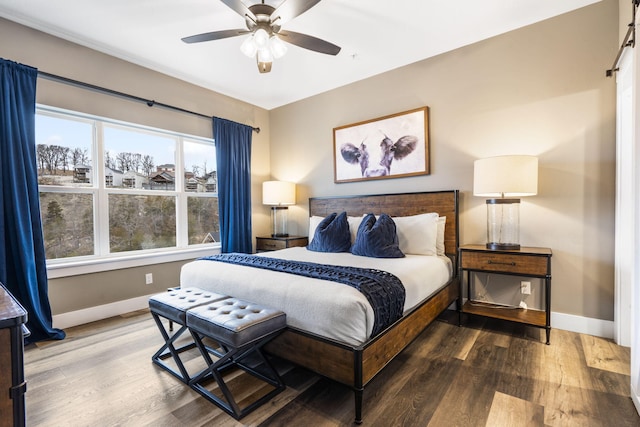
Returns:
(332,234)
(377,239)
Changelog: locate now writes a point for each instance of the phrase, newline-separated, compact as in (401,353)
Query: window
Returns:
(110,189)
(201,180)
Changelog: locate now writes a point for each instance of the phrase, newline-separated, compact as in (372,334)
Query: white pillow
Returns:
(418,234)
(354,223)
(440,239)
(313,224)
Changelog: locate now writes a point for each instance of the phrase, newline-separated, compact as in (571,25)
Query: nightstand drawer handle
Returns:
(513,264)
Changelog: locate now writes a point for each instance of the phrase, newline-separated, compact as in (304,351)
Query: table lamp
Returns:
(505,179)
(279,194)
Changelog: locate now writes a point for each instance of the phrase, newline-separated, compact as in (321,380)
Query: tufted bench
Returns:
(241,328)
(173,305)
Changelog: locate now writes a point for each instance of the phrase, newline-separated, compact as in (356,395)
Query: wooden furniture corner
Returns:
(12,383)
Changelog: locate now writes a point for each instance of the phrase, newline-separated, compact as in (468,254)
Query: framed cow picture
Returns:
(392,146)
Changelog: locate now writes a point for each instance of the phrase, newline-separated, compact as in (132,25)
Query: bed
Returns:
(344,351)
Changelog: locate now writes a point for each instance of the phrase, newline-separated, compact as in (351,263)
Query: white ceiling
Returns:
(375,36)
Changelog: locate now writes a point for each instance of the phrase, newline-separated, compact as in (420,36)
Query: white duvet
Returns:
(322,307)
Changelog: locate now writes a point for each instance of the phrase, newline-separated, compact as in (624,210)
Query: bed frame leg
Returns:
(358,392)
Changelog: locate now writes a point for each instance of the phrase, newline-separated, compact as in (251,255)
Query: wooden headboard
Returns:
(445,203)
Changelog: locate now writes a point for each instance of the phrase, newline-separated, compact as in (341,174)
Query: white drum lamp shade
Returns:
(279,195)
(504,179)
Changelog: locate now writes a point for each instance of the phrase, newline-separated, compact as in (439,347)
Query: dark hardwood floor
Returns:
(487,373)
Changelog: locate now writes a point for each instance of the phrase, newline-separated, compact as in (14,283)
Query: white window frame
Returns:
(103,260)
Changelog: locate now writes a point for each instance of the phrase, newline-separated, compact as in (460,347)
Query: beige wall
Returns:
(56,56)
(540,90)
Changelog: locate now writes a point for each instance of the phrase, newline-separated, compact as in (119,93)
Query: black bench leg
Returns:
(233,357)
(272,376)
(230,406)
(168,350)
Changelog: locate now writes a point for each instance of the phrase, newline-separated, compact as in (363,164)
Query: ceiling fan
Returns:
(264,24)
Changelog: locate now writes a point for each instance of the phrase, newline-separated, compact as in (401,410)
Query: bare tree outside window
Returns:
(67,222)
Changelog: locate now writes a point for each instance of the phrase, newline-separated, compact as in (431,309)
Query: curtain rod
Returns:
(149,102)
(626,42)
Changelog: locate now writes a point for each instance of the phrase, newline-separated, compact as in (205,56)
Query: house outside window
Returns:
(110,188)
(82,174)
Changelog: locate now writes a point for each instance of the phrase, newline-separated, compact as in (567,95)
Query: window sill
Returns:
(77,267)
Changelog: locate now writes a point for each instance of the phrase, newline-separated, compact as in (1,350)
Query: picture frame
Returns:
(392,146)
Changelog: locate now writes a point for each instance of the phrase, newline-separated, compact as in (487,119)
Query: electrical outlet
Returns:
(148,278)
(525,288)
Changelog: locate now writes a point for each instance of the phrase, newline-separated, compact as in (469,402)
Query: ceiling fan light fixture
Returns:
(263,23)
(248,47)
(277,47)
(265,55)
(261,38)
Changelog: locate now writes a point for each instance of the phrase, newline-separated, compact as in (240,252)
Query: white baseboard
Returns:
(567,322)
(100,312)
(584,325)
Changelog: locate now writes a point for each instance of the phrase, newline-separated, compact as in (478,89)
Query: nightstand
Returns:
(527,262)
(274,243)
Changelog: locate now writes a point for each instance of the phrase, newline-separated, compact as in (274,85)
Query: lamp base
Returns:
(279,221)
(503,224)
(503,246)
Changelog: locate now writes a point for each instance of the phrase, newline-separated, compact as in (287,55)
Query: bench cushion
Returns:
(235,322)
(174,304)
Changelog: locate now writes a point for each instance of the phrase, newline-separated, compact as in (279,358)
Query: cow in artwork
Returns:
(389,151)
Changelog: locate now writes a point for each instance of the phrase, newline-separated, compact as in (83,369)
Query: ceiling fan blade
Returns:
(240,8)
(214,35)
(289,9)
(309,42)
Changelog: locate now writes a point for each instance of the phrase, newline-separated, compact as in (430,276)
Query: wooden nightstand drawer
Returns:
(275,243)
(505,263)
(270,244)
